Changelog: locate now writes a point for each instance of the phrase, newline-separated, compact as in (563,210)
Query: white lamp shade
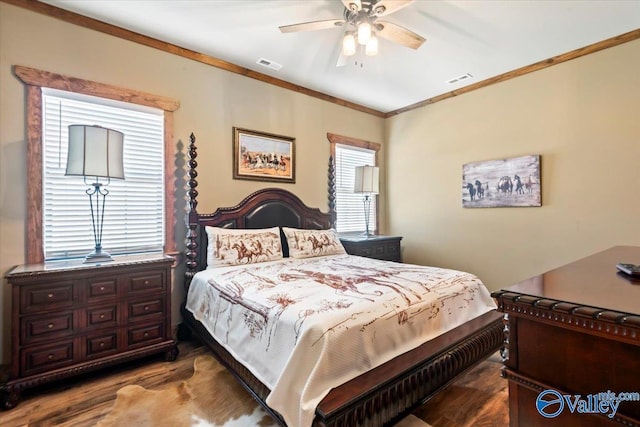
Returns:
(364,32)
(367,180)
(372,46)
(348,44)
(95,151)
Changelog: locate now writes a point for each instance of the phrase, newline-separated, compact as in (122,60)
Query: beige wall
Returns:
(212,102)
(582,117)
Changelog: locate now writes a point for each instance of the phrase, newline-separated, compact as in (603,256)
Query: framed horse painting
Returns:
(263,156)
(505,182)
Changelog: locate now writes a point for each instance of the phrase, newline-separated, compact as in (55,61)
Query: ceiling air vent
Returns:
(269,64)
(459,78)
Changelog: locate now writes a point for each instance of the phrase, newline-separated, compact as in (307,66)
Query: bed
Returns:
(381,395)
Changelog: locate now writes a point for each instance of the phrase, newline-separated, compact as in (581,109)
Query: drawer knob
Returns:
(146,282)
(101,344)
(102,316)
(102,288)
(50,356)
(146,334)
(50,326)
(50,296)
(146,307)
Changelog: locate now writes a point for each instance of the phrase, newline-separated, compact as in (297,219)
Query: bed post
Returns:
(332,193)
(192,216)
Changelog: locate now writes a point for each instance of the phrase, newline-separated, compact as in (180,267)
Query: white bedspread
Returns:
(305,326)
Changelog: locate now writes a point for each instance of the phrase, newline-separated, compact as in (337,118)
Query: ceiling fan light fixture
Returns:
(364,32)
(361,28)
(348,44)
(372,46)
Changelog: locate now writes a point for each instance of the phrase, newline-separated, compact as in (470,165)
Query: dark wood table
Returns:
(574,330)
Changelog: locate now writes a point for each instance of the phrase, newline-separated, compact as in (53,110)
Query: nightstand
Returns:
(378,247)
(69,318)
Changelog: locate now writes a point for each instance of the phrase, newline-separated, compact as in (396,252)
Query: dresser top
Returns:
(592,281)
(79,264)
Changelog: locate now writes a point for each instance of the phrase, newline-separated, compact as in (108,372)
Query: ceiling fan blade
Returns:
(387,7)
(312,26)
(398,34)
(352,5)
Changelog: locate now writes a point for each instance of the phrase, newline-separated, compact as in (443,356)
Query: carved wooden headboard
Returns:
(269,207)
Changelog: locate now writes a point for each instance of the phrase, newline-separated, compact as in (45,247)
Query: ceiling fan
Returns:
(362,26)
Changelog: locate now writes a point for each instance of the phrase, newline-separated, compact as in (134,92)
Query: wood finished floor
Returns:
(478,399)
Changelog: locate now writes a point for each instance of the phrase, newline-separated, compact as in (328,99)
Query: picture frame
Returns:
(261,156)
(510,182)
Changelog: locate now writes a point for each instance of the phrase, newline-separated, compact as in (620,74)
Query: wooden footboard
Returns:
(391,391)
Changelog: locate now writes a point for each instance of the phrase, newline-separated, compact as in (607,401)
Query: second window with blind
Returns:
(349,205)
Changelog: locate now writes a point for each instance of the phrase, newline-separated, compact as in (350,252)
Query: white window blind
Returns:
(134,208)
(349,205)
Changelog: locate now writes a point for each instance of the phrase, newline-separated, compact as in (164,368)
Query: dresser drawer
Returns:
(144,335)
(101,345)
(148,282)
(41,359)
(42,328)
(101,317)
(102,288)
(46,297)
(366,251)
(143,309)
(380,251)
(392,251)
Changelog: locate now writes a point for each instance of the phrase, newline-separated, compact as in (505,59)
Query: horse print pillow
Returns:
(312,243)
(228,246)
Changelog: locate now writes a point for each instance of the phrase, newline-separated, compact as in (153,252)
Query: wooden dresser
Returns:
(69,318)
(378,247)
(574,331)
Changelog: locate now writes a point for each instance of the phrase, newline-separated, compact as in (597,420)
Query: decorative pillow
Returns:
(228,246)
(311,243)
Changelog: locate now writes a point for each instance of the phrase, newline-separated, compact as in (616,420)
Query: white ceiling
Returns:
(483,38)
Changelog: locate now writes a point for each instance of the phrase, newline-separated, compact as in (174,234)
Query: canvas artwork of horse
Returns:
(506,182)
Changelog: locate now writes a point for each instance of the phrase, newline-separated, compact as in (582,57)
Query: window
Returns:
(348,153)
(134,208)
(36,81)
